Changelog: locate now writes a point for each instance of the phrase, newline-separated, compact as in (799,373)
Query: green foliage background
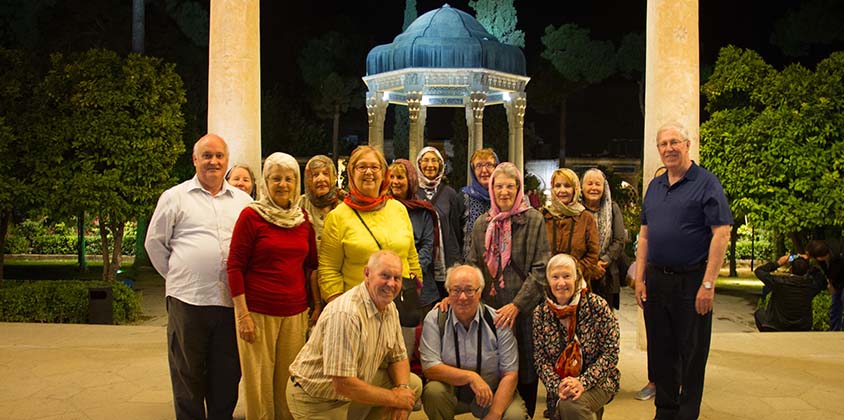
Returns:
(775,139)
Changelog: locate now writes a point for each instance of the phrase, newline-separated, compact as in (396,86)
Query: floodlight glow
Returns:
(386,96)
(506,96)
(426,100)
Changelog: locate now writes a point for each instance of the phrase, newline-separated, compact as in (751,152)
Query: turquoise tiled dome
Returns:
(445,38)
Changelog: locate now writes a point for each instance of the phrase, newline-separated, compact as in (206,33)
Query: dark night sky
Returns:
(597,114)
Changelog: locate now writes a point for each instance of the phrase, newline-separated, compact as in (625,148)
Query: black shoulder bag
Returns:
(407,302)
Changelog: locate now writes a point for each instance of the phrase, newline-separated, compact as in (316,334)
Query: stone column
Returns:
(376,110)
(416,134)
(477,102)
(672,76)
(516,121)
(234,79)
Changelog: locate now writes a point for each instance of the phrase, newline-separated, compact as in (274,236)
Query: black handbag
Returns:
(407,302)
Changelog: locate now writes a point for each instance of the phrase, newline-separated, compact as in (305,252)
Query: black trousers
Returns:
(204,363)
(528,392)
(678,342)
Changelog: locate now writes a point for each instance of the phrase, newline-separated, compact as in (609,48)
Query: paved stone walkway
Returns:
(71,372)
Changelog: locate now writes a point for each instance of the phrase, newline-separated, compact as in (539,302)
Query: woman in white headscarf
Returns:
(449,206)
(273,252)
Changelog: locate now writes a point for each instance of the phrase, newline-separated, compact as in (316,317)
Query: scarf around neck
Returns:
(267,208)
(412,202)
(558,209)
(475,189)
(334,194)
(427,184)
(603,216)
(570,361)
(499,236)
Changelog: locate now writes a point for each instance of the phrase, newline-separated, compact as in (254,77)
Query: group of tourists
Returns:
(320,299)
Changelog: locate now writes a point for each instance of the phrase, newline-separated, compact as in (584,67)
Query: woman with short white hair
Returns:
(576,338)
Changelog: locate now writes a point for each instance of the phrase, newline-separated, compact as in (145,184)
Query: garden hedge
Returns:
(64,301)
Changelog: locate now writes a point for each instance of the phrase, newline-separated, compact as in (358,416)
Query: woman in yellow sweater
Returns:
(365,222)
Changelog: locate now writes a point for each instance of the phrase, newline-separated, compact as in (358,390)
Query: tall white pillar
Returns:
(672,76)
(516,107)
(234,78)
(416,129)
(376,111)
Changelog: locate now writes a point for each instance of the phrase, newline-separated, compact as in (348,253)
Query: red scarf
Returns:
(571,359)
(412,202)
(360,202)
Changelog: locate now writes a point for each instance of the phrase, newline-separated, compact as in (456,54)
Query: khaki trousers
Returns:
(306,407)
(589,406)
(440,403)
(265,364)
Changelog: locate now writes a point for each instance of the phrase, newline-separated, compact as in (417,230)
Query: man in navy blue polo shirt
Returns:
(685,230)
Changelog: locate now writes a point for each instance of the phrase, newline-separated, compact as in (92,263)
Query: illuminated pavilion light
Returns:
(506,96)
(426,100)
(386,96)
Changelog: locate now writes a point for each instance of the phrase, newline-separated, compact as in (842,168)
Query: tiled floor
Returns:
(109,372)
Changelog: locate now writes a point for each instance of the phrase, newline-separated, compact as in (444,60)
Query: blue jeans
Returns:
(836,320)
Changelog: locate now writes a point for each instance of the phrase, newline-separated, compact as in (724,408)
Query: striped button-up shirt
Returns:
(351,339)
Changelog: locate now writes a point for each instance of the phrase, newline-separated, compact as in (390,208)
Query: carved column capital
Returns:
(414,103)
(519,108)
(478,101)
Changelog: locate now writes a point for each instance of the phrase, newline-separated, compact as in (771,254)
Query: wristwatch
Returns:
(707,285)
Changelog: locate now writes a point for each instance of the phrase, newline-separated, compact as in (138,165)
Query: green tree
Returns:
(26,162)
(631,63)
(117,122)
(498,17)
(296,133)
(775,139)
(814,23)
(329,67)
(579,61)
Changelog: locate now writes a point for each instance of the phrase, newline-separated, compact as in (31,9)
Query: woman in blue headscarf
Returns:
(476,195)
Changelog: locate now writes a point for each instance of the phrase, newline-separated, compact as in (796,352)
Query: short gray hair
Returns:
(377,256)
(676,126)
(460,267)
(562,260)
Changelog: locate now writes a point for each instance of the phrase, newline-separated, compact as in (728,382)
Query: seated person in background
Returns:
(470,364)
(790,307)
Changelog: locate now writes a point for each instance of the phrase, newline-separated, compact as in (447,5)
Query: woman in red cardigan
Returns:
(273,252)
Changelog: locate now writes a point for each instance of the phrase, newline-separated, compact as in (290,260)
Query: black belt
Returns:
(679,270)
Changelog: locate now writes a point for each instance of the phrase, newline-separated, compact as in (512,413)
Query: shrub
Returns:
(64,301)
(820,312)
(762,249)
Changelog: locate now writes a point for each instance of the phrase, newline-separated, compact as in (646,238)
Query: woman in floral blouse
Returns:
(575,336)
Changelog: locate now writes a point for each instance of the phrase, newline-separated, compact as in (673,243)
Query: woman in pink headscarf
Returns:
(510,245)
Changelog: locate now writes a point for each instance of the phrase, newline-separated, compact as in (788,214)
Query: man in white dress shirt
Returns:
(188,243)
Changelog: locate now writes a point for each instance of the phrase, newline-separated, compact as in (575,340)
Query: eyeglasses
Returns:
(484,165)
(363,169)
(664,144)
(468,292)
